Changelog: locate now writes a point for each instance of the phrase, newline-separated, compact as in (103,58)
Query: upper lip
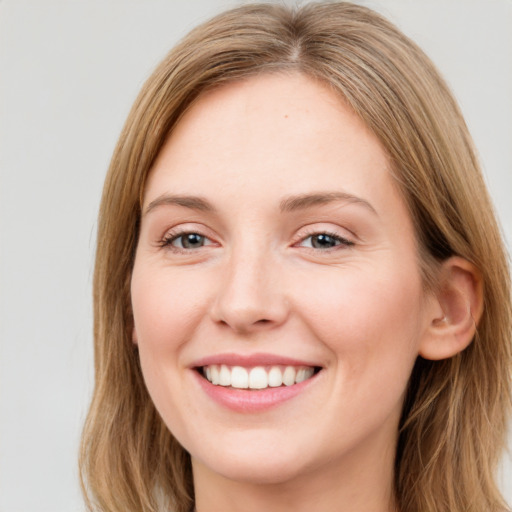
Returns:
(251,360)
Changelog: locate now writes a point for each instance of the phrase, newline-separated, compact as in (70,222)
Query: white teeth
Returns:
(258,377)
(239,377)
(224,376)
(289,376)
(215,374)
(275,377)
(303,374)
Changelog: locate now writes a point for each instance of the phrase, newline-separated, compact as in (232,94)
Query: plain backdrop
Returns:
(69,71)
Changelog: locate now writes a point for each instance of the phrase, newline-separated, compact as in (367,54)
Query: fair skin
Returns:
(273,236)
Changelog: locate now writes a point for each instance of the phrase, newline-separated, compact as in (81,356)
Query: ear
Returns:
(455,310)
(135,339)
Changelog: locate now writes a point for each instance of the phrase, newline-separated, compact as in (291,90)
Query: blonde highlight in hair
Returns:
(454,420)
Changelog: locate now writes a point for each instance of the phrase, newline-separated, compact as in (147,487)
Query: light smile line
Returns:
(257,377)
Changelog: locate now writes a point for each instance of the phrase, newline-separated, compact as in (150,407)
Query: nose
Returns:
(250,295)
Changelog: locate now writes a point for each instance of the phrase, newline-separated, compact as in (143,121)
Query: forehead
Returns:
(278,134)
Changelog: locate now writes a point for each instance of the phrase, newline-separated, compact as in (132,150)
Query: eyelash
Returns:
(341,241)
(170,237)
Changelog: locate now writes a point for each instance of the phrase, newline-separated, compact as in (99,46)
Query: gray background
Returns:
(69,71)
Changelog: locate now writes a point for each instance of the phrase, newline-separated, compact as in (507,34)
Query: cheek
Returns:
(370,320)
(166,306)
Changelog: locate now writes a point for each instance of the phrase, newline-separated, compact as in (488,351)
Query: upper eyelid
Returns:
(322,228)
(344,242)
(188,227)
(300,234)
(174,232)
(170,236)
(166,243)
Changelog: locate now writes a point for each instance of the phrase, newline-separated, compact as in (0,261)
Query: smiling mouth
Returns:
(257,377)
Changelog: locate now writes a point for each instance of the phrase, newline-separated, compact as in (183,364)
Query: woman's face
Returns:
(274,247)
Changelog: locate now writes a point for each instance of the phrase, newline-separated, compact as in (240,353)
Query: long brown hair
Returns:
(454,418)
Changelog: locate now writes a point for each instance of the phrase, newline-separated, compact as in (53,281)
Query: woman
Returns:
(301,295)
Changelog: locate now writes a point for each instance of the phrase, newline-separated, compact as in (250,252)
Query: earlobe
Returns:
(455,312)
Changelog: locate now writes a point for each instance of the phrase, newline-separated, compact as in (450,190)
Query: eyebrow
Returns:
(304,201)
(192,202)
(289,204)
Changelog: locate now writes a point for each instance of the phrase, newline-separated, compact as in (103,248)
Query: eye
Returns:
(186,241)
(324,241)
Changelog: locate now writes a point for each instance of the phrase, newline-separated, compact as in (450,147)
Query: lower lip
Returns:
(245,400)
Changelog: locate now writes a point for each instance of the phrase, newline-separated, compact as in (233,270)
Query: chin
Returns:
(267,473)
(257,466)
